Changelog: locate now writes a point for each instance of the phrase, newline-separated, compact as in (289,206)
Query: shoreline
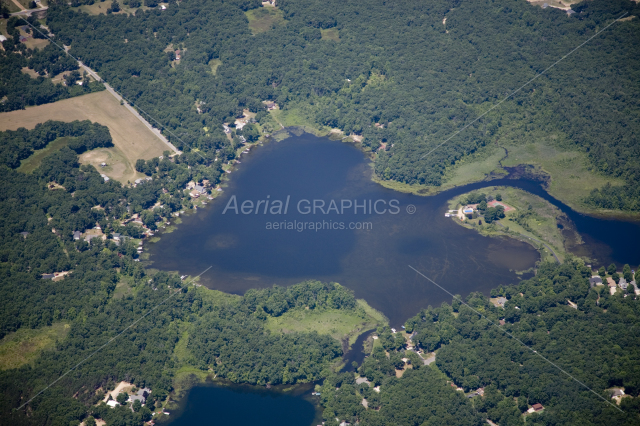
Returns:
(542,225)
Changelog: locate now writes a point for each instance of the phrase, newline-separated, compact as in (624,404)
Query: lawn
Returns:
(263,19)
(336,323)
(23,346)
(131,138)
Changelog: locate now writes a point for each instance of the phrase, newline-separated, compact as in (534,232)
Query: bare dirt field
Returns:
(132,139)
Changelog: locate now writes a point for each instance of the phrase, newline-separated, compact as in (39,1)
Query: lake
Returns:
(246,405)
(280,183)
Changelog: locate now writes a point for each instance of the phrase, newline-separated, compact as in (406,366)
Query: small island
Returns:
(512,212)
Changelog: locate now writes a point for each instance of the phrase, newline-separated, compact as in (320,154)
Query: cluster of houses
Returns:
(596,280)
(141,395)
(196,190)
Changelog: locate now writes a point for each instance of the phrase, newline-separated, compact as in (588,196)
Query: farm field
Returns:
(131,138)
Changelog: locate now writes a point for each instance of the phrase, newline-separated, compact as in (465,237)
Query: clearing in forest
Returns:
(264,18)
(131,138)
(23,346)
(338,323)
(330,34)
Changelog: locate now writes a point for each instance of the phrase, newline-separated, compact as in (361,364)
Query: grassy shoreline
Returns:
(534,221)
(568,173)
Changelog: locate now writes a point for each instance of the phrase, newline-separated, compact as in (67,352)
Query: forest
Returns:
(396,65)
(595,343)
(17,89)
(86,299)
(18,145)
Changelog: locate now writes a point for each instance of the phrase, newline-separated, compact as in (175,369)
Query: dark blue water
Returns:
(356,353)
(242,405)
(246,252)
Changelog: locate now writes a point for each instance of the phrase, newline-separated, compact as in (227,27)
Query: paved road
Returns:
(133,111)
(28,12)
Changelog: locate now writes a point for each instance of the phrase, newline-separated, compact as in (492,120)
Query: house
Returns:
(88,238)
(105,177)
(570,12)
(623,284)
(48,276)
(612,285)
(112,403)
(24,234)
(617,393)
(501,301)
(2,38)
(636,290)
(199,188)
(595,280)
(76,235)
(535,408)
(163,7)
(545,5)
(116,236)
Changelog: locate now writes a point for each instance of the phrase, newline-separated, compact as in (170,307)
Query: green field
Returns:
(336,323)
(572,176)
(28,165)
(264,18)
(474,168)
(23,346)
(299,115)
